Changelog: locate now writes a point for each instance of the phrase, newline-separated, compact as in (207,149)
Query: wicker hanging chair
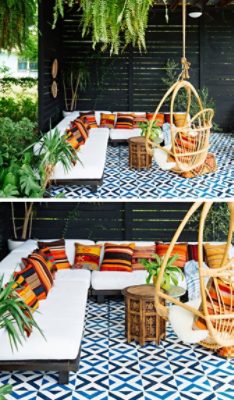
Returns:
(215,312)
(189,143)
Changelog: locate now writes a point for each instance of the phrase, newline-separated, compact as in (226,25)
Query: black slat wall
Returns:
(4,228)
(108,221)
(132,81)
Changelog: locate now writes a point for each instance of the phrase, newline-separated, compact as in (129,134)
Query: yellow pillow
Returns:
(214,254)
(87,256)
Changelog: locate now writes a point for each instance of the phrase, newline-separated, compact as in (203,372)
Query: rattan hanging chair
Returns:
(216,311)
(189,143)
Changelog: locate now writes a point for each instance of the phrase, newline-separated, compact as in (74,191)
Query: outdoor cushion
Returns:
(182,323)
(137,243)
(107,121)
(124,134)
(25,292)
(87,256)
(40,266)
(117,280)
(117,257)
(73,275)
(124,121)
(77,135)
(92,156)
(30,275)
(161,158)
(214,254)
(58,250)
(181,249)
(142,252)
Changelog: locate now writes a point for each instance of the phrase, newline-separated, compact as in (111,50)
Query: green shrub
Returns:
(18,108)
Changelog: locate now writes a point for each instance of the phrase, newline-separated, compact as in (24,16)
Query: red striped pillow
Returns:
(118,257)
(180,249)
(159,118)
(30,275)
(124,121)
(141,252)
(58,251)
(77,134)
(89,121)
(107,121)
(139,118)
(25,292)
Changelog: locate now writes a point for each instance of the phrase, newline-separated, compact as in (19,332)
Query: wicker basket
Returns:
(138,156)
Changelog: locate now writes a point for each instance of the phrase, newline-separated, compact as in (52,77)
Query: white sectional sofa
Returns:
(92,154)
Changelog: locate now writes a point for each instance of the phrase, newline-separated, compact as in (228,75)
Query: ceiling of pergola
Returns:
(215,3)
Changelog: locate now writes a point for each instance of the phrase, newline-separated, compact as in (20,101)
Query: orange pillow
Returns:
(214,254)
(142,252)
(180,249)
(159,118)
(58,251)
(118,257)
(107,121)
(87,256)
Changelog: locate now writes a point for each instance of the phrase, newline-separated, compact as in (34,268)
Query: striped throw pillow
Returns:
(159,118)
(87,256)
(43,271)
(58,251)
(139,118)
(180,249)
(25,292)
(107,121)
(139,253)
(49,259)
(89,121)
(118,257)
(214,254)
(30,275)
(124,121)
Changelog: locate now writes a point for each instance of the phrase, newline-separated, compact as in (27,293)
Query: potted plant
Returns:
(22,232)
(156,134)
(75,79)
(171,274)
(4,391)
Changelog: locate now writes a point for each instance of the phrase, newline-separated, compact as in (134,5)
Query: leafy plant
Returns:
(75,78)
(172,71)
(15,315)
(217,222)
(16,17)
(171,272)
(156,131)
(112,21)
(5,390)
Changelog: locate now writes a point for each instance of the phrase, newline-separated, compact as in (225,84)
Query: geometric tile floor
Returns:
(111,369)
(120,182)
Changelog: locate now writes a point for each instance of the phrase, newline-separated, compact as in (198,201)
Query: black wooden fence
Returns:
(133,81)
(100,221)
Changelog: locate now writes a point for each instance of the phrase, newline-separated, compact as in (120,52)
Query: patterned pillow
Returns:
(124,121)
(193,252)
(138,118)
(139,253)
(49,259)
(214,254)
(57,249)
(77,134)
(86,113)
(107,121)
(213,305)
(40,265)
(87,256)
(89,121)
(30,275)
(25,292)
(180,249)
(159,118)
(118,257)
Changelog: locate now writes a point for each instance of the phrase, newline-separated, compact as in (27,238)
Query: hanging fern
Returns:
(112,23)
(16,17)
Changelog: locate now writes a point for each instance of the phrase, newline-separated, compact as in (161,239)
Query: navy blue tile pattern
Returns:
(120,182)
(111,369)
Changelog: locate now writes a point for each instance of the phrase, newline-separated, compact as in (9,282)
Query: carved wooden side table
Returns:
(142,323)
(138,156)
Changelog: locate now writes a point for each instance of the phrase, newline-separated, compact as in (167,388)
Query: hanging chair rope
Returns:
(184,62)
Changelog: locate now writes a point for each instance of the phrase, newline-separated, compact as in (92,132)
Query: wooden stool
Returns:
(142,322)
(138,156)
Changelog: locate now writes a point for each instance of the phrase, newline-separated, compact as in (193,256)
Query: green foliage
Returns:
(156,131)
(15,315)
(110,21)
(5,390)
(217,222)
(171,272)
(19,107)
(30,47)
(172,72)
(16,17)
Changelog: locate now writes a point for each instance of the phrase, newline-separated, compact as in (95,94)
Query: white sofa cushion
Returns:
(116,280)
(61,319)
(124,134)
(73,275)
(182,322)
(92,155)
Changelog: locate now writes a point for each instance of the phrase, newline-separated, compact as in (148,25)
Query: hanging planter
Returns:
(16,17)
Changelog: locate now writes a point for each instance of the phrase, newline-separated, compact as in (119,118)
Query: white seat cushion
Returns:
(182,321)
(61,319)
(92,155)
(116,280)
(73,275)
(124,134)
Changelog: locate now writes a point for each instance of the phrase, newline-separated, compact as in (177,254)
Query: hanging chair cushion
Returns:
(214,254)
(227,352)
(161,158)
(218,299)
(182,323)
(209,166)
